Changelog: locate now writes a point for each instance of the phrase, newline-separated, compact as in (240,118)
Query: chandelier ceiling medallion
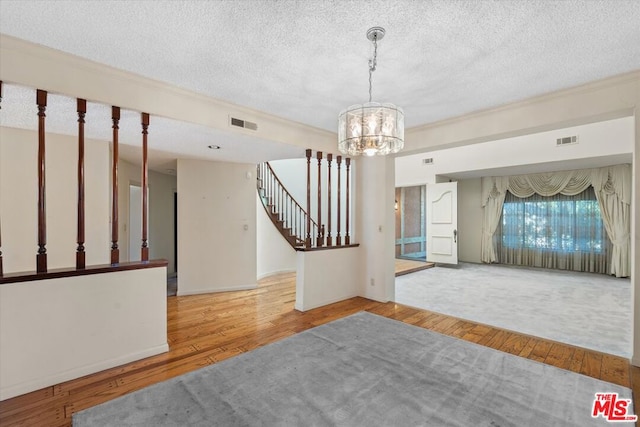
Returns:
(371,128)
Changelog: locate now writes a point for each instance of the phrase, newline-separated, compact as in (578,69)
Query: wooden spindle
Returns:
(144,255)
(329,158)
(308,239)
(80,254)
(1,270)
(319,241)
(339,218)
(115,252)
(41,258)
(347,238)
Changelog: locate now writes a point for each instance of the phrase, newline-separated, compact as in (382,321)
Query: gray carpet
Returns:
(363,370)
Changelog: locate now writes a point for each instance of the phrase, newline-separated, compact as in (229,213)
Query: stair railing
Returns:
(285,212)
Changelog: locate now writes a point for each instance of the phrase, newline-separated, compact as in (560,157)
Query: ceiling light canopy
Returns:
(371,128)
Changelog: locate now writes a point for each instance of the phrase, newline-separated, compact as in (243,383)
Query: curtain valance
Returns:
(613,179)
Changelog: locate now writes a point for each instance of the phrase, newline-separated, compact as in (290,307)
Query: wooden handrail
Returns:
(271,172)
(29,276)
(288,216)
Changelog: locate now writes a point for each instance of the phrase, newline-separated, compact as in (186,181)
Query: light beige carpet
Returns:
(588,310)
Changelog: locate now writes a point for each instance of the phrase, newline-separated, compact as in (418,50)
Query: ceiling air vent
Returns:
(428,161)
(243,124)
(567,140)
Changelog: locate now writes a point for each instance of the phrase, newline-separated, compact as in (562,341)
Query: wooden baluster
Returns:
(80,254)
(115,252)
(347,238)
(41,258)
(144,255)
(329,158)
(319,241)
(307,242)
(339,218)
(1,270)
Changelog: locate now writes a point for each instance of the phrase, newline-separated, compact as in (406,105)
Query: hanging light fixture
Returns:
(371,128)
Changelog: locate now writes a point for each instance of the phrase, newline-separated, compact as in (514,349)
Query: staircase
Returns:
(285,212)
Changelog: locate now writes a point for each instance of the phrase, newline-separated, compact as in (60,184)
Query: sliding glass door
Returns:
(410,223)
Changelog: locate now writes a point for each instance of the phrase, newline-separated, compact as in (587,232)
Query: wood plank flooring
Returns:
(406,266)
(205,329)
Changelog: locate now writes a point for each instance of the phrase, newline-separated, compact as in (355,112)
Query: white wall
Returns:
(376,226)
(216,226)
(601,139)
(470,216)
(56,330)
(273,253)
(161,217)
(317,285)
(611,139)
(19,195)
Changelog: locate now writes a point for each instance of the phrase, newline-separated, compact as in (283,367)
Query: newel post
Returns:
(307,241)
(320,239)
(144,254)
(339,218)
(347,238)
(1,270)
(329,158)
(80,254)
(115,252)
(41,258)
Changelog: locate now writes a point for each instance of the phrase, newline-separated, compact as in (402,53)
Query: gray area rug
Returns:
(364,370)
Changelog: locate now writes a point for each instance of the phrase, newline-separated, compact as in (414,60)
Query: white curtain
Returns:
(493,192)
(613,190)
(612,186)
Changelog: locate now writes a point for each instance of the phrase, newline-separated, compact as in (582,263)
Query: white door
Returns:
(442,223)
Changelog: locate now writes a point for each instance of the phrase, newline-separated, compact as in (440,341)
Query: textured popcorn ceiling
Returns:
(307,60)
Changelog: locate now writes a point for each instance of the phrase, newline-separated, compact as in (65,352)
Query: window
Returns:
(558,226)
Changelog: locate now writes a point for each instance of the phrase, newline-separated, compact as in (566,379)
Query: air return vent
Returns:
(243,124)
(428,161)
(567,140)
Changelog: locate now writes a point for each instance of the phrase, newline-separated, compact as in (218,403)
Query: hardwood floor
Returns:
(406,266)
(205,329)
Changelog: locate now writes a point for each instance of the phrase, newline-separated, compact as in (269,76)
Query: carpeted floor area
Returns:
(364,370)
(587,310)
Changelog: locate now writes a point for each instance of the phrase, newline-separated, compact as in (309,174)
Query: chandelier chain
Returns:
(373,62)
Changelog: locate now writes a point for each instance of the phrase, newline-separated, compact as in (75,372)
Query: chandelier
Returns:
(371,128)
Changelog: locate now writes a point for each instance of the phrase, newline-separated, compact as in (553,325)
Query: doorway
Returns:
(411,240)
(135,222)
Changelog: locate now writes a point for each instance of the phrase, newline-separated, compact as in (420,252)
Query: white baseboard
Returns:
(635,361)
(299,307)
(57,378)
(272,273)
(214,290)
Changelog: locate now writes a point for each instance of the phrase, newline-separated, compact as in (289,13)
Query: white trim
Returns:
(273,273)
(215,290)
(325,302)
